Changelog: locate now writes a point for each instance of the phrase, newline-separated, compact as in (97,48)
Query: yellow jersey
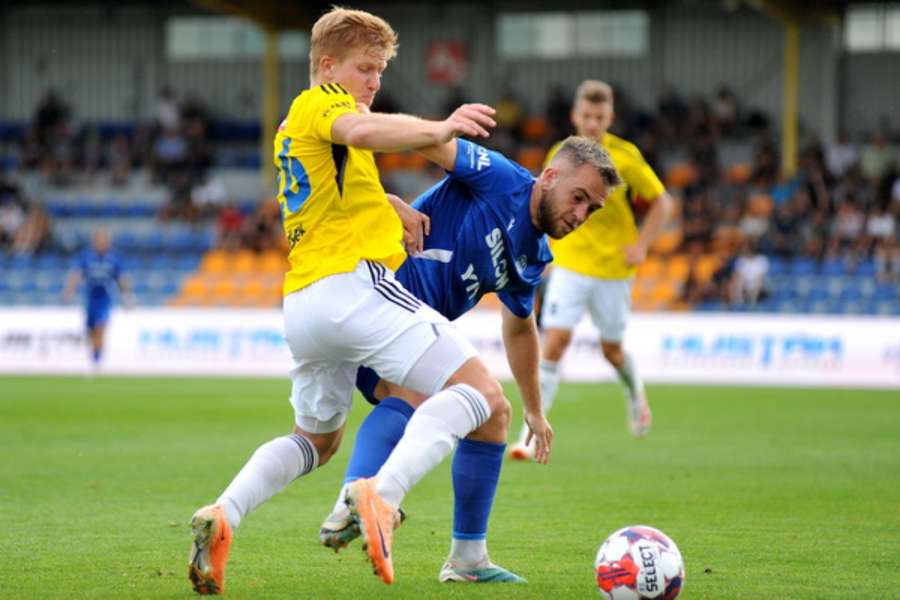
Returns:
(596,248)
(334,210)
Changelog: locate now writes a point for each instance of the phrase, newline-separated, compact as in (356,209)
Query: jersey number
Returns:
(293,182)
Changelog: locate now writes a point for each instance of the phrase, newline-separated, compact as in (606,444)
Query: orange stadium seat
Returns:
(652,268)
(667,242)
(245,261)
(664,292)
(274,262)
(414,161)
(760,205)
(678,268)
(681,175)
(531,158)
(535,129)
(390,161)
(738,173)
(215,261)
(706,266)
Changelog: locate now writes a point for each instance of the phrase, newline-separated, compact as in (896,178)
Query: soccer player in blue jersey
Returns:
(491,219)
(99,268)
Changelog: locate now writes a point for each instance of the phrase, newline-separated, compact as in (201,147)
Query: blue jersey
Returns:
(482,239)
(101,273)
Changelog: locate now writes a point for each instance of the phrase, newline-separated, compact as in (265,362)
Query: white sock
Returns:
(628,375)
(340,503)
(468,553)
(549,374)
(274,465)
(432,434)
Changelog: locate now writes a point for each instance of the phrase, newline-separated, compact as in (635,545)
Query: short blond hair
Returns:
(595,92)
(341,30)
(580,151)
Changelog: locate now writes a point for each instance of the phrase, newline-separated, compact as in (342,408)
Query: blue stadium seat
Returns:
(833,266)
(785,292)
(817,294)
(866,268)
(788,306)
(777,266)
(850,294)
(768,305)
(803,266)
(886,291)
(21,261)
(887,307)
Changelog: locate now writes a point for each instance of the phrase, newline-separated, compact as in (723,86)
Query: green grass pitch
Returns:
(769,493)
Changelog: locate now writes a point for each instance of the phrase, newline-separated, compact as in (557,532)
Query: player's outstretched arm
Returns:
(523,350)
(387,132)
(660,211)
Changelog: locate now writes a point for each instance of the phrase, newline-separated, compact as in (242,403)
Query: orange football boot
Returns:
(377,520)
(212,540)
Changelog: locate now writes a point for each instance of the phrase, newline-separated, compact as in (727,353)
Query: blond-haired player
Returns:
(594,266)
(342,305)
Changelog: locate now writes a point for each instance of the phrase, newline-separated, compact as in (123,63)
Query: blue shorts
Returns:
(97,313)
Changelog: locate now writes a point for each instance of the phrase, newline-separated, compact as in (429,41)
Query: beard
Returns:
(547,221)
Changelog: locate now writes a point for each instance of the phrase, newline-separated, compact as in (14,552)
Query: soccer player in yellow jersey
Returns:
(343,308)
(595,265)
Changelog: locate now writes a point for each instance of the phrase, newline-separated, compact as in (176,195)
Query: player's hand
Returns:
(635,254)
(539,429)
(416,225)
(471,120)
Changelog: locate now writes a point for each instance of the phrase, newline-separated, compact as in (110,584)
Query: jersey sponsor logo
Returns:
(294,236)
(511,223)
(495,243)
(471,280)
(521,263)
(334,107)
(484,159)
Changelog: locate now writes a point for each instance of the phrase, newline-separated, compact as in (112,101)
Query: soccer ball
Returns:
(639,562)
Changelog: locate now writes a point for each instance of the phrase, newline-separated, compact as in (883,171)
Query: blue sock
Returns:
(476,471)
(97,354)
(376,438)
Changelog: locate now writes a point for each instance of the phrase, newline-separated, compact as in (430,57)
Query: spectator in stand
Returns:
(263,230)
(749,278)
(877,157)
(170,156)
(841,156)
(559,107)
(34,232)
(697,222)
(230,225)
(120,160)
(847,230)
(724,112)
(168,113)
(781,238)
(12,211)
(672,113)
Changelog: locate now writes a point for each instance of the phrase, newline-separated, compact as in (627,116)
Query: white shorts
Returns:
(363,318)
(569,294)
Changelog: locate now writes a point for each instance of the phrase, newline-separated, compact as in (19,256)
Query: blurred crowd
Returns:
(843,202)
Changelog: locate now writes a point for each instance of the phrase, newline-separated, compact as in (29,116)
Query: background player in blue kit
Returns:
(491,219)
(99,268)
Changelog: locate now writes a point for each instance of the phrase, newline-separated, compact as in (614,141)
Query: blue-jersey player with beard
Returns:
(491,219)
